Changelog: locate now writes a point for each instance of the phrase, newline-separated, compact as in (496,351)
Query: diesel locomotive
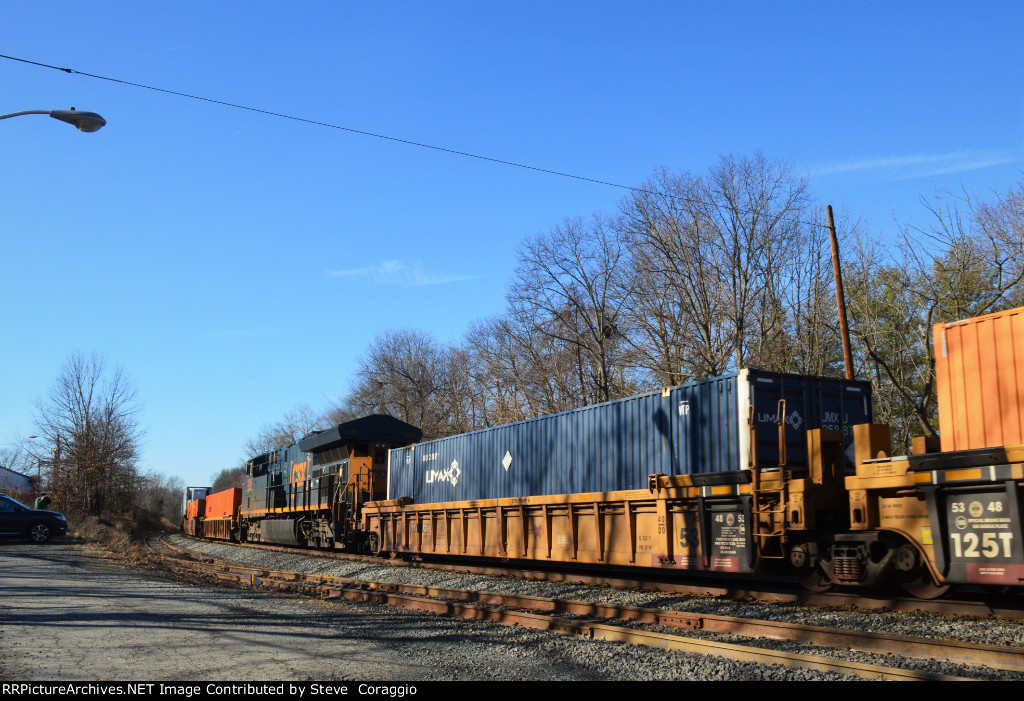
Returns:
(748,474)
(308,494)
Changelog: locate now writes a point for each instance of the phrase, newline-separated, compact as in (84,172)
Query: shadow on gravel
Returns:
(86,599)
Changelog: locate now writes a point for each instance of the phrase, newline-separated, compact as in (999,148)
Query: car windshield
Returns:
(13,501)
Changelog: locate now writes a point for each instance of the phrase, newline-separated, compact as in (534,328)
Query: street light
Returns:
(83,121)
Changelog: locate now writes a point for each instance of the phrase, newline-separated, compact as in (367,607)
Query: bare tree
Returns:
(458,394)
(753,206)
(520,372)
(17,459)
(89,435)
(295,423)
(496,367)
(714,266)
(228,478)
(160,496)
(813,346)
(569,281)
(679,317)
(966,260)
(401,375)
(340,411)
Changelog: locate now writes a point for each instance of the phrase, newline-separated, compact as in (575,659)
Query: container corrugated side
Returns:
(979,372)
(223,504)
(584,450)
(694,428)
(195,509)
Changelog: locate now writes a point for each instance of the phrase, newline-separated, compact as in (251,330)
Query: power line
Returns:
(385,137)
(408,142)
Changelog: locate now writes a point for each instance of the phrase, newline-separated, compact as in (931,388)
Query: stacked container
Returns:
(695,428)
(195,509)
(979,373)
(223,504)
(191,494)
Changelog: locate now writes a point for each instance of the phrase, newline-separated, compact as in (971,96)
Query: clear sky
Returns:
(236,263)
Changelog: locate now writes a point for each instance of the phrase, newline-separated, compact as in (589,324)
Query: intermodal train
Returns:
(752,473)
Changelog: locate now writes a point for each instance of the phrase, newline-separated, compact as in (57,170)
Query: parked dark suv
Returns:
(19,521)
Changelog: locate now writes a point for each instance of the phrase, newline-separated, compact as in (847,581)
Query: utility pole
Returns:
(55,466)
(844,330)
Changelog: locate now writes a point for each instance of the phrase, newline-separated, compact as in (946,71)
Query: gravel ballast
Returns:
(918,624)
(73,616)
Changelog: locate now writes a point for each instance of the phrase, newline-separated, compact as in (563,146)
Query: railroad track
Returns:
(785,592)
(738,639)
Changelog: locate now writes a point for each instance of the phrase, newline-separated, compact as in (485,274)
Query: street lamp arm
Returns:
(18,114)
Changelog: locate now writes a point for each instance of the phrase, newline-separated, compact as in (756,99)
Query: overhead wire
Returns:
(375,135)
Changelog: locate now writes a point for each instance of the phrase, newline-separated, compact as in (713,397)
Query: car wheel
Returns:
(40,532)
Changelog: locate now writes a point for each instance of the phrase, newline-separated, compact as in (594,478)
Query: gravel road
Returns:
(68,614)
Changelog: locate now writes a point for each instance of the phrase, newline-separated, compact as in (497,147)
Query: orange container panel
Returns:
(196,508)
(223,504)
(979,370)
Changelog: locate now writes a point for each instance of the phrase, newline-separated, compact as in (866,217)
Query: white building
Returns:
(11,481)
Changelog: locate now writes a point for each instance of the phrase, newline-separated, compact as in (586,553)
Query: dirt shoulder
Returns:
(73,615)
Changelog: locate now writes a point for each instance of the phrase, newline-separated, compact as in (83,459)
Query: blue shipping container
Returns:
(694,428)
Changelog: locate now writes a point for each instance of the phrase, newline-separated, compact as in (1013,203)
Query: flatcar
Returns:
(753,473)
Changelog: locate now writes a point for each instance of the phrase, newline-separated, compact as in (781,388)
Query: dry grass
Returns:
(120,536)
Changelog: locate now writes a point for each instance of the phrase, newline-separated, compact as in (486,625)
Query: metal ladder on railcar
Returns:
(768,507)
(768,501)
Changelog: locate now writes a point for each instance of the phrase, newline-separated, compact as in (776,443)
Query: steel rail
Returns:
(478,606)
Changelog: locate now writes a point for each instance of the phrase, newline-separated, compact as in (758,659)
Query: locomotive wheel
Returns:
(924,588)
(816,581)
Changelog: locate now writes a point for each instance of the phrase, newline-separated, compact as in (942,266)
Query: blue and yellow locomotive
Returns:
(311,493)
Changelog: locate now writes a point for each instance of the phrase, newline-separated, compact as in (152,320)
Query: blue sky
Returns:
(236,263)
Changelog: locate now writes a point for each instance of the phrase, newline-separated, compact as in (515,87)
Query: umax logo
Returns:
(792,418)
(452,474)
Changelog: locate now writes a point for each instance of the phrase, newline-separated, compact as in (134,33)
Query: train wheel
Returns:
(816,581)
(373,543)
(924,588)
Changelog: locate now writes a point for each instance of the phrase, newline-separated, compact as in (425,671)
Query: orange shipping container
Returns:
(195,509)
(979,371)
(223,504)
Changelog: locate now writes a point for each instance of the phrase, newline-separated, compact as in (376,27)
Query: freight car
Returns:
(926,521)
(751,473)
